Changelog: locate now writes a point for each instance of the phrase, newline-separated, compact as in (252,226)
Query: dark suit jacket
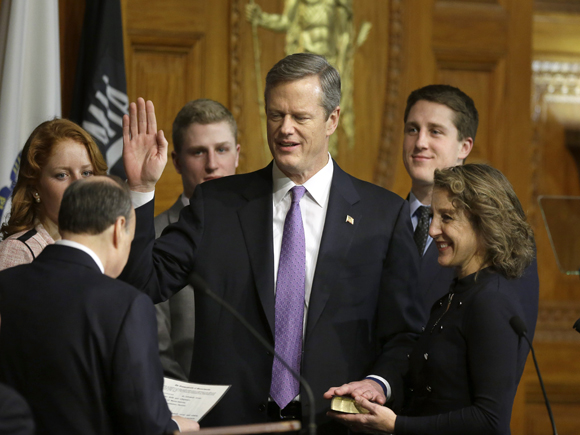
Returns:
(465,368)
(434,282)
(175,317)
(362,315)
(81,348)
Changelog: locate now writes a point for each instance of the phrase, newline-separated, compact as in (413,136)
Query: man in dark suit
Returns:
(357,265)
(440,126)
(204,148)
(79,345)
(336,250)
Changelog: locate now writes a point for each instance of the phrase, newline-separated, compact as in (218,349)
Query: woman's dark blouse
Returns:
(466,366)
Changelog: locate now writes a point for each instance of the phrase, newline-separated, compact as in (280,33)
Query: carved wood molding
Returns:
(235,67)
(559,392)
(388,151)
(557,5)
(556,81)
(177,41)
(533,214)
(188,47)
(555,320)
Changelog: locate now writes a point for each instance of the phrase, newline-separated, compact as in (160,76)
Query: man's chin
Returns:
(286,161)
(421,173)
(289,167)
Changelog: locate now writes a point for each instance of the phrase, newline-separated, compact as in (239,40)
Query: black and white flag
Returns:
(100,94)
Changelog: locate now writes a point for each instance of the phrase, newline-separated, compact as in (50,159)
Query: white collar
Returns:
(317,186)
(76,245)
(414,203)
(184,199)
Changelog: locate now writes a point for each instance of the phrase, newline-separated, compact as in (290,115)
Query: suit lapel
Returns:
(431,271)
(336,240)
(431,254)
(256,222)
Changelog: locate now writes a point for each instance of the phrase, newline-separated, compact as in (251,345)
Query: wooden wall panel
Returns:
(473,39)
(558,357)
(175,51)
(417,68)
(484,34)
(481,48)
(557,6)
(370,77)
(167,70)
(70,15)
(566,423)
(556,37)
(171,48)
(478,85)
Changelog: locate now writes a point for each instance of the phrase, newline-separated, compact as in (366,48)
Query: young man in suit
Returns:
(440,126)
(79,345)
(204,148)
(318,262)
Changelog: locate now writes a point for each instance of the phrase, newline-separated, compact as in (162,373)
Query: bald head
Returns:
(97,213)
(92,205)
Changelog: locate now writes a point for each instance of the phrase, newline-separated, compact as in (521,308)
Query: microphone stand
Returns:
(519,327)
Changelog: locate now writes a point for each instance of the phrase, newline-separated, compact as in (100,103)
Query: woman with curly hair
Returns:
(466,366)
(57,153)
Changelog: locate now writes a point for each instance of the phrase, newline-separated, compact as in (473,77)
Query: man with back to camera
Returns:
(337,251)
(79,345)
(204,148)
(440,126)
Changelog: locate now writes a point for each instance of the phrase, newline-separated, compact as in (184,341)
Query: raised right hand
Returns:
(144,148)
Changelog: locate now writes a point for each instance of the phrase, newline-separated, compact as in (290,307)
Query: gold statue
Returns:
(323,27)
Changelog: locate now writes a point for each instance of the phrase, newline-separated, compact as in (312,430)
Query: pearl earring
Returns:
(36,197)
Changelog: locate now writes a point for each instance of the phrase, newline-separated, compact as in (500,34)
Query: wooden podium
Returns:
(278,427)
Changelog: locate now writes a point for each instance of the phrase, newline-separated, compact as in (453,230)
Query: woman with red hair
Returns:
(57,153)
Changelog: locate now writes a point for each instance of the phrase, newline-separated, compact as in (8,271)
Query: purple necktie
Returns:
(289,304)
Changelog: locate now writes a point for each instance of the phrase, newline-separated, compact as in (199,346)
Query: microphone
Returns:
(520,328)
(577,325)
(198,283)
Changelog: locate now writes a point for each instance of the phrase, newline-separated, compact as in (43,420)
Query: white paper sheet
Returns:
(191,400)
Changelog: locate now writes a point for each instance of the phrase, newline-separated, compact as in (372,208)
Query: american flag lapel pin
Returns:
(350,219)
